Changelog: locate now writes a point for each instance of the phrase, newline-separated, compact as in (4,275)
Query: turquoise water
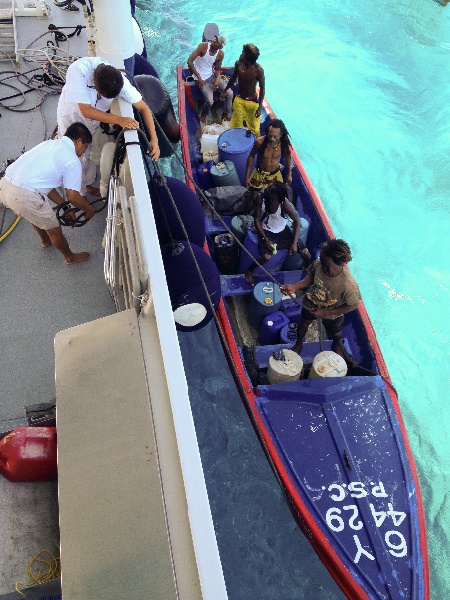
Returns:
(363,89)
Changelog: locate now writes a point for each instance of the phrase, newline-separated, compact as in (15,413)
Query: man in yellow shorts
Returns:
(247,104)
(270,148)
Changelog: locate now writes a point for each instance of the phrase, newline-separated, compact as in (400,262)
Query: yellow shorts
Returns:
(244,110)
(261,179)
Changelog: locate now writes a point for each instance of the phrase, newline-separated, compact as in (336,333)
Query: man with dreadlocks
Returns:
(273,231)
(332,292)
(269,148)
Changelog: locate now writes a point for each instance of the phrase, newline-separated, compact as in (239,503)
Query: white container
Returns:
(328,364)
(208,143)
(213,129)
(279,371)
(210,155)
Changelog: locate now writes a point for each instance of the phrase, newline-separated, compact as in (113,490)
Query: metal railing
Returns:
(123,255)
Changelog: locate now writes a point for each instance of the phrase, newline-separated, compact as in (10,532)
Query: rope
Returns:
(42,568)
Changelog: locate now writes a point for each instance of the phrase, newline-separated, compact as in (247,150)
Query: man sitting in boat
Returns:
(269,148)
(205,63)
(273,231)
(332,292)
(247,105)
(36,174)
(91,86)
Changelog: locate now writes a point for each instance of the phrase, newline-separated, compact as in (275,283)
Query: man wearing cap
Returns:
(205,63)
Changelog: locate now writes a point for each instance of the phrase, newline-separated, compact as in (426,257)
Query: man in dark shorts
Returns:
(247,104)
(332,292)
(273,231)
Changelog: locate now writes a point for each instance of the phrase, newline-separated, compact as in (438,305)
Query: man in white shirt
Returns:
(90,88)
(205,63)
(33,178)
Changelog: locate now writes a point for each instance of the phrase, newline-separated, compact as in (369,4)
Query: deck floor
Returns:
(40,296)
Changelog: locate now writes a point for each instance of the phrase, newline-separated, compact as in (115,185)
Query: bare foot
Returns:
(77,258)
(95,191)
(249,278)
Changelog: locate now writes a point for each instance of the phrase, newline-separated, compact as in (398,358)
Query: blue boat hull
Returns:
(337,445)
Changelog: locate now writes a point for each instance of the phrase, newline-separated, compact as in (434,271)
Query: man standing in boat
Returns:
(247,105)
(269,148)
(205,63)
(273,231)
(91,86)
(36,174)
(331,293)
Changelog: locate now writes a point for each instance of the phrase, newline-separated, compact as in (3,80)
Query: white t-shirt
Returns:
(48,165)
(79,89)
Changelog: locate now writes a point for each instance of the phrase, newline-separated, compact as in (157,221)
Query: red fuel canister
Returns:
(29,454)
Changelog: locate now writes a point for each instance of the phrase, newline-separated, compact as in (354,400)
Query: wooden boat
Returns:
(338,445)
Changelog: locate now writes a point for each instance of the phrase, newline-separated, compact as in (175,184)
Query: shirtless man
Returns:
(205,63)
(247,105)
(269,148)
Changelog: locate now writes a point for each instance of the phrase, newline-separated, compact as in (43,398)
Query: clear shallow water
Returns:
(363,89)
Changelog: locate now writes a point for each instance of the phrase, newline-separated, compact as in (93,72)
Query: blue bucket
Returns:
(235,145)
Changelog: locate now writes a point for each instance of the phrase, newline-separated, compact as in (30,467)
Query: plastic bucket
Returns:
(224,174)
(328,364)
(226,251)
(240,225)
(235,145)
(290,369)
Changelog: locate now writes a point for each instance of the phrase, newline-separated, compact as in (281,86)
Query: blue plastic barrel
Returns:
(204,174)
(251,243)
(235,145)
(292,310)
(288,334)
(271,325)
(223,174)
(266,299)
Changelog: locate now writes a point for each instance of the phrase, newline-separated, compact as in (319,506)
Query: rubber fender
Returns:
(143,67)
(156,96)
(190,304)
